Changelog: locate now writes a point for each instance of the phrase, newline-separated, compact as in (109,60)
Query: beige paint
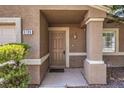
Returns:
(65,25)
(76,61)
(94,40)
(115,59)
(63,7)
(44,35)
(94,67)
(37,72)
(78,47)
(30,20)
(64,16)
(66,29)
(95,73)
(57,47)
(101,7)
(94,13)
(77,44)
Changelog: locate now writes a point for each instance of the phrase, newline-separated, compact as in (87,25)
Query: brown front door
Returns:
(57,48)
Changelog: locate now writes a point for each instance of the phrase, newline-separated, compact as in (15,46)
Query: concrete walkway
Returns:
(70,78)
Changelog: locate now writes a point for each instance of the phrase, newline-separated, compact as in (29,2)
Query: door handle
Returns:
(64,52)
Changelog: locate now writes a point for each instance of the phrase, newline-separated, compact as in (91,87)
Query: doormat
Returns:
(56,70)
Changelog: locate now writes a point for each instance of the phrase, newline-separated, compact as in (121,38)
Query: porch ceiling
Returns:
(64,16)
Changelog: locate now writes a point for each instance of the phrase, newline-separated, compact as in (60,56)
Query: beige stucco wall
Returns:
(30,20)
(38,72)
(114,60)
(30,16)
(77,61)
(44,36)
(95,73)
(94,13)
(78,44)
(93,39)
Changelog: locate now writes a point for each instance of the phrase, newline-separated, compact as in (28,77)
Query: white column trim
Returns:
(67,48)
(36,61)
(94,61)
(66,29)
(94,19)
(84,54)
(77,54)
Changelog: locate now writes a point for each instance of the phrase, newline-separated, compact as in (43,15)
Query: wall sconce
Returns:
(75,36)
(84,29)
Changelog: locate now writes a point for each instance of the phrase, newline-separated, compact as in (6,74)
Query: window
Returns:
(10,30)
(110,43)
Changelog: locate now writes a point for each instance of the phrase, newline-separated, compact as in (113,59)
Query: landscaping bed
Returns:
(115,78)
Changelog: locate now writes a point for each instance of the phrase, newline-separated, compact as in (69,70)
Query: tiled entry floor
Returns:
(70,78)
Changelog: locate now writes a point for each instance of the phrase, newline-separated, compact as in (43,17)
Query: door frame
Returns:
(66,29)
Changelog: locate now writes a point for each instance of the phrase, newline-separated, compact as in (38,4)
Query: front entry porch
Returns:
(72,77)
(74,40)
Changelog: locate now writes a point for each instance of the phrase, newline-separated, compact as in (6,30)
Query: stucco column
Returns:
(95,69)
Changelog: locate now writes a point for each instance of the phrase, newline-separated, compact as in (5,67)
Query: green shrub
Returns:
(13,51)
(15,75)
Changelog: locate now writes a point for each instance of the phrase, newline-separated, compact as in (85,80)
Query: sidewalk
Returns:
(70,78)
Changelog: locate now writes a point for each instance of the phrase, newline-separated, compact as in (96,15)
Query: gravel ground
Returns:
(115,79)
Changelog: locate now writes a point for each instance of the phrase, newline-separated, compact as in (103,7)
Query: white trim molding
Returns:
(77,54)
(94,61)
(36,61)
(66,29)
(17,22)
(8,62)
(94,19)
(114,54)
(104,54)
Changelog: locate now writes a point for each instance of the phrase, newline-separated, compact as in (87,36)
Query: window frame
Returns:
(17,22)
(116,31)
